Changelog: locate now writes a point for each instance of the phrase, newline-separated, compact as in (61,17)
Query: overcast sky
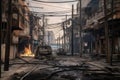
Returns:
(55,7)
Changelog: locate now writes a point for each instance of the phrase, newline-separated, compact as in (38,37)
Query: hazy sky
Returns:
(55,7)
(52,7)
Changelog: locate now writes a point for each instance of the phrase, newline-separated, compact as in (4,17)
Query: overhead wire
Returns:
(50,15)
(41,13)
(54,15)
(55,1)
(51,27)
(57,28)
(58,31)
(55,23)
(51,5)
(35,7)
(55,12)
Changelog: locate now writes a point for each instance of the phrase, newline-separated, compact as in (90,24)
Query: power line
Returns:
(58,31)
(52,6)
(55,1)
(51,27)
(35,7)
(30,6)
(56,15)
(56,12)
(55,23)
(50,15)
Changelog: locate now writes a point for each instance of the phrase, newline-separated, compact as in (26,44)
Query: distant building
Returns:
(50,37)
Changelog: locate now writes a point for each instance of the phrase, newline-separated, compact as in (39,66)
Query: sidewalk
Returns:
(15,68)
(12,70)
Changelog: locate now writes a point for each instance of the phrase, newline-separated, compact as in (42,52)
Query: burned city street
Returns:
(59,39)
(67,68)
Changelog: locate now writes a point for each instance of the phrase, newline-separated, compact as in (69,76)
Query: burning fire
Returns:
(27,52)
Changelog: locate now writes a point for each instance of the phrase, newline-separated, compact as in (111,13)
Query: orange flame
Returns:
(27,52)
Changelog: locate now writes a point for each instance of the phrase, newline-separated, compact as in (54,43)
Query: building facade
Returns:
(103,22)
(19,25)
(36,31)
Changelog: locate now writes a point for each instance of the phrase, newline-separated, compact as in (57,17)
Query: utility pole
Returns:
(64,35)
(43,29)
(112,7)
(59,41)
(72,35)
(0,35)
(80,28)
(106,34)
(48,38)
(56,42)
(8,40)
(62,39)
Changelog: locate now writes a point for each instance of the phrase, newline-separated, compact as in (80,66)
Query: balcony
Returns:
(99,16)
(95,18)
